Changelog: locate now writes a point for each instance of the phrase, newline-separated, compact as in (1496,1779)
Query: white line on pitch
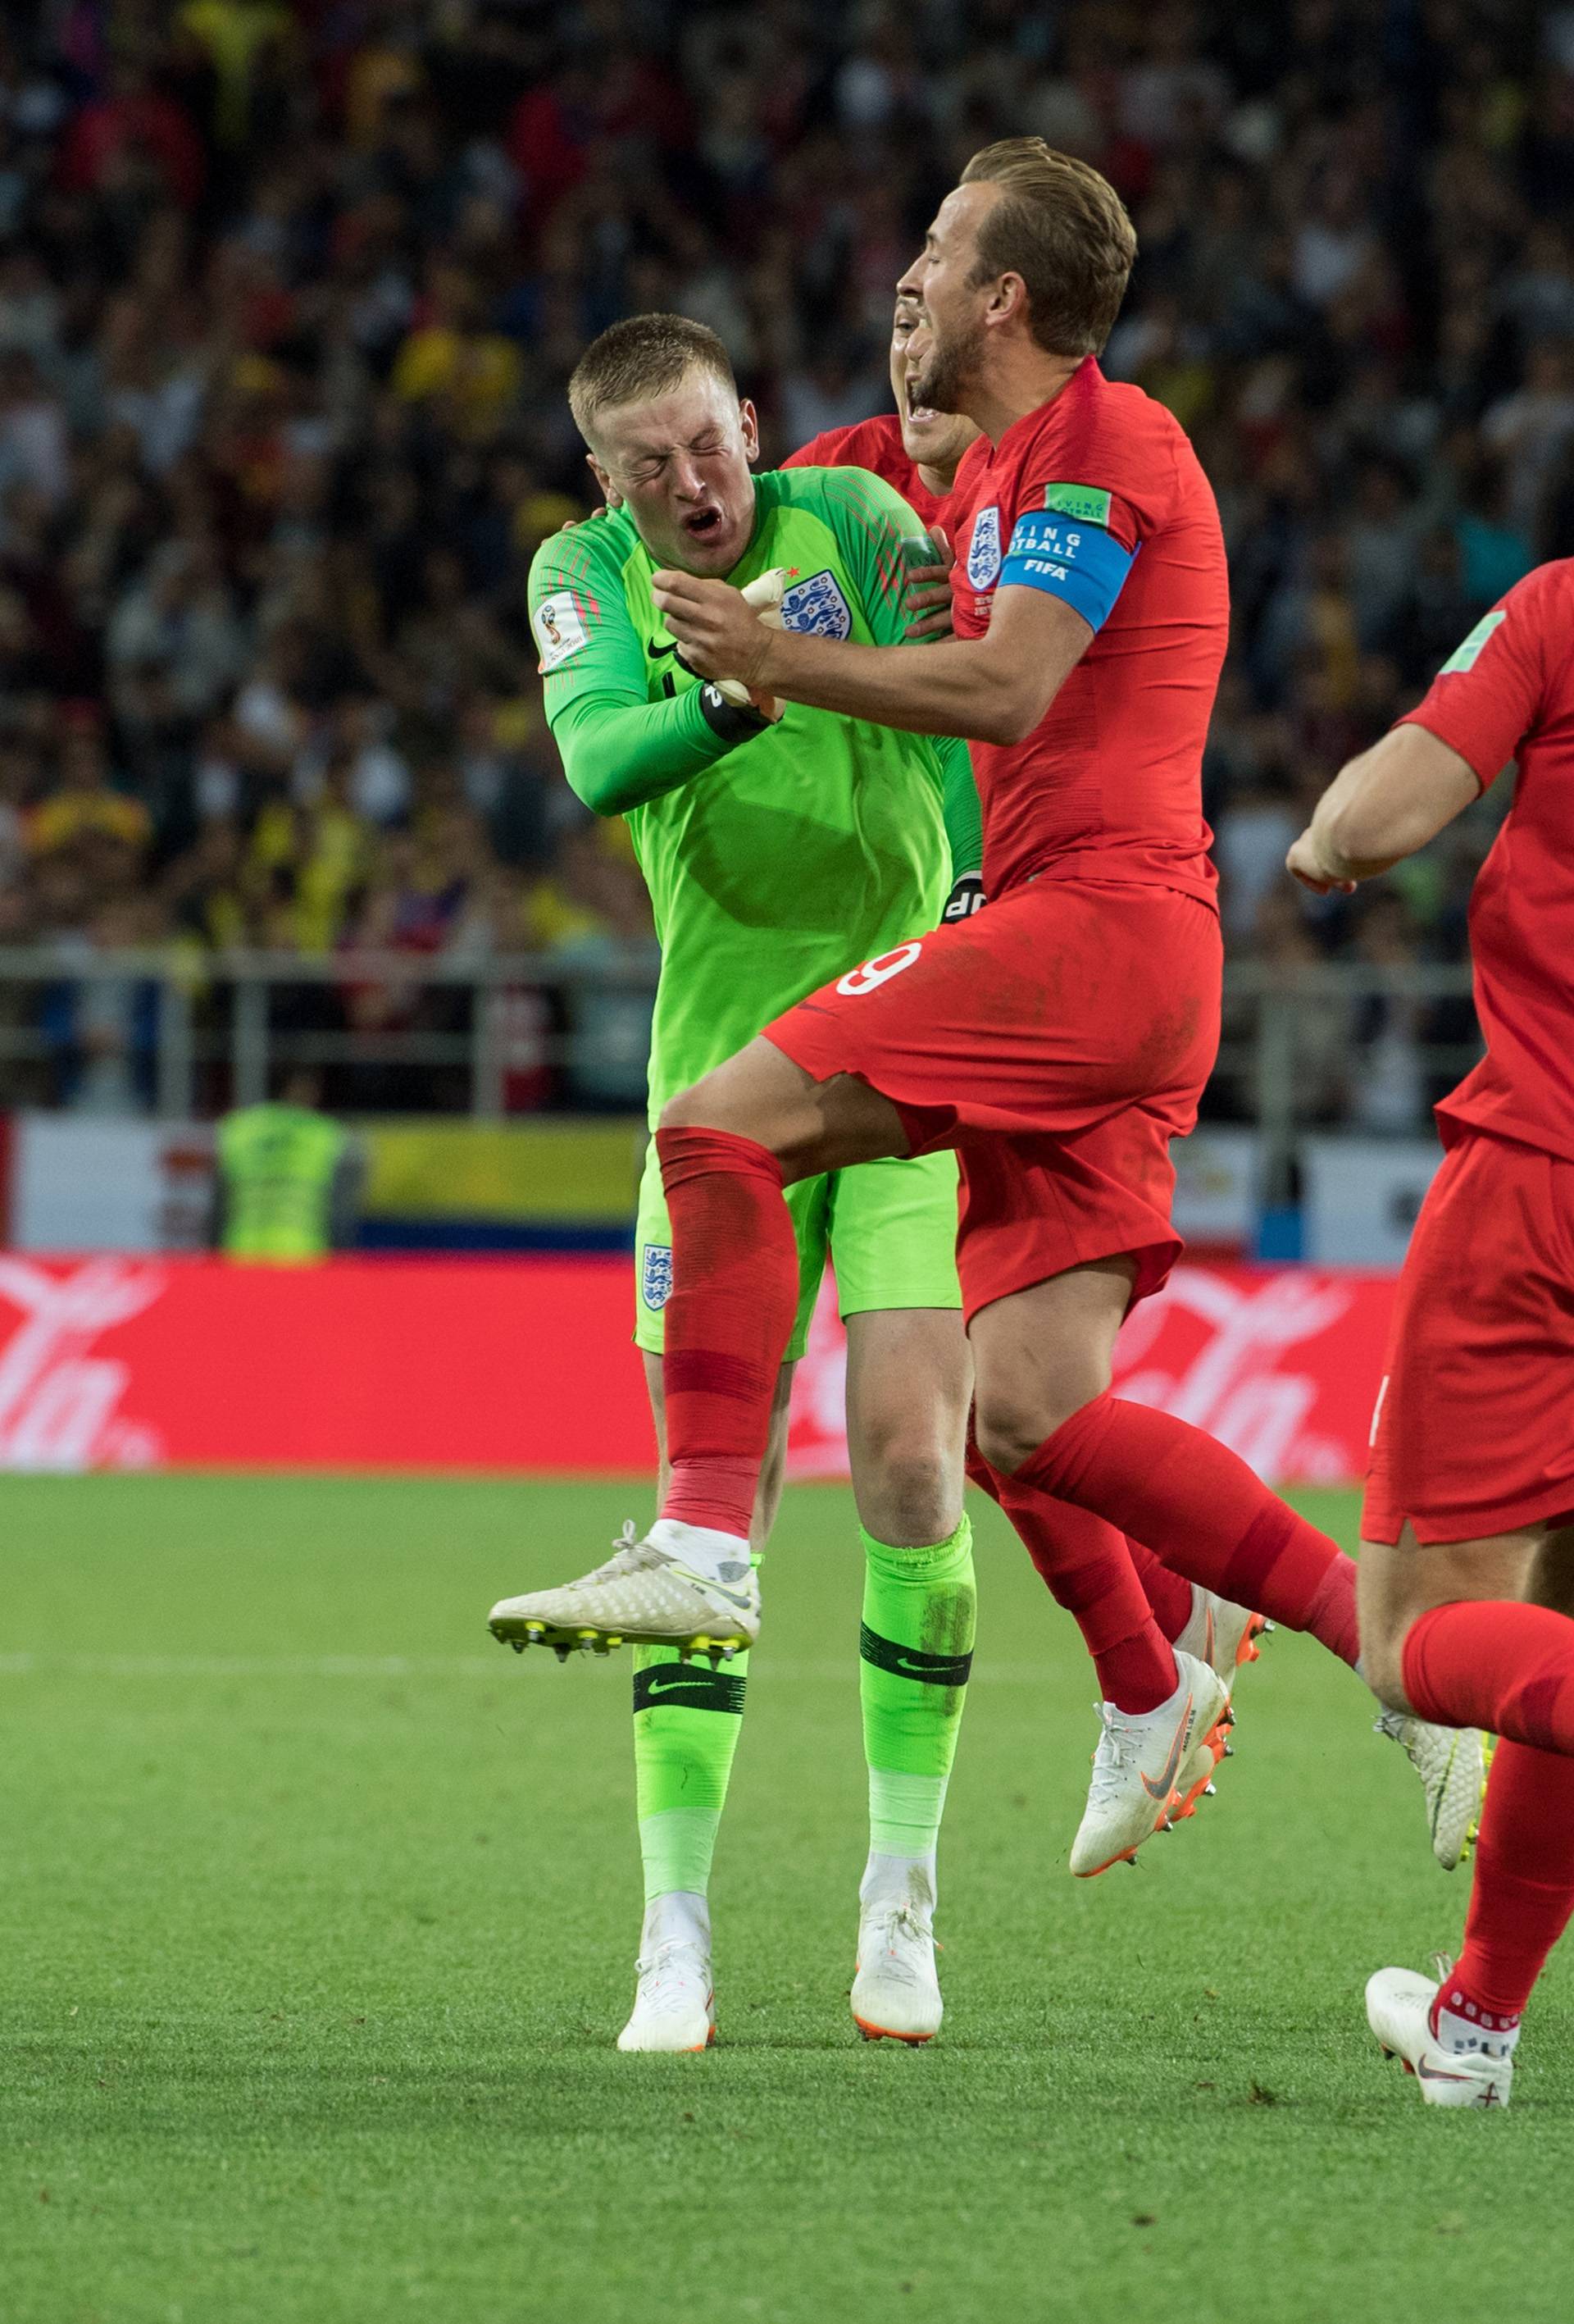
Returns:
(28,1666)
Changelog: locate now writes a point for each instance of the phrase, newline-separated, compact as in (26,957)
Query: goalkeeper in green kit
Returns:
(777,845)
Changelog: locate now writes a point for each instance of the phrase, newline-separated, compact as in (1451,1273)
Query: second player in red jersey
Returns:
(916,450)
(1467,1567)
(875,444)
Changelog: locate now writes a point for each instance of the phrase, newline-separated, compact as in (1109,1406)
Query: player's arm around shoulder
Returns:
(994,688)
(1046,611)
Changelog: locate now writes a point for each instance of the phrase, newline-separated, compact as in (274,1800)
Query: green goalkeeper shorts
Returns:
(888,1227)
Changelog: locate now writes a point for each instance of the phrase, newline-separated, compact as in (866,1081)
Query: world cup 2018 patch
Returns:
(816,608)
(655,1274)
(560,631)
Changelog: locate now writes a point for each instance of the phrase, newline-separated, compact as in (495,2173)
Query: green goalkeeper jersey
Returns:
(774,861)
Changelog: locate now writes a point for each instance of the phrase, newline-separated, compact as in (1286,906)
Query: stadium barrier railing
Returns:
(511,1032)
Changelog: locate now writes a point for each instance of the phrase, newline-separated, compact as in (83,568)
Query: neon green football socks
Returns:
(915,1650)
(687,1717)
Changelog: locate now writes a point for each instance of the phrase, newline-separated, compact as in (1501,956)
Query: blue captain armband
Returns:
(1076,559)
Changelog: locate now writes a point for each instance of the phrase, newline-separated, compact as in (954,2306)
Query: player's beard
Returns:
(953,364)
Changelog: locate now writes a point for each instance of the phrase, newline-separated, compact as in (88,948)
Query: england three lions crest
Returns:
(655,1274)
(983,555)
(816,608)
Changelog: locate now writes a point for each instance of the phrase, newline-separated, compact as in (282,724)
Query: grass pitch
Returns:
(317,1912)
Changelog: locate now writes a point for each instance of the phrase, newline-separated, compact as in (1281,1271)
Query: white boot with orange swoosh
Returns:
(1150,1766)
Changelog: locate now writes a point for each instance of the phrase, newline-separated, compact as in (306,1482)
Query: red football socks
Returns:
(735,1294)
(1509,1668)
(1089,1570)
(1158,1479)
(1523,1891)
(1168,1593)
(1494,1664)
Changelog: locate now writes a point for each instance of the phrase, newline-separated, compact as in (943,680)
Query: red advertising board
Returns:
(422,1364)
(523,1365)
(1281,1363)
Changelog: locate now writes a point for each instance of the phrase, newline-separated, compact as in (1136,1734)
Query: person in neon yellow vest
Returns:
(287,1179)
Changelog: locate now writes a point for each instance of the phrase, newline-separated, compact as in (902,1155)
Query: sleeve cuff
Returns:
(728,720)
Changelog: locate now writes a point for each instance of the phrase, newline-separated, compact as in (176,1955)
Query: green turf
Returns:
(310,1969)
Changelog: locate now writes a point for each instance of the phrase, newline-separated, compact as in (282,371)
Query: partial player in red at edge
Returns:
(1468,1562)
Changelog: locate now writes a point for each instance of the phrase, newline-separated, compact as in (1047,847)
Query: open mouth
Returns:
(919,413)
(703,524)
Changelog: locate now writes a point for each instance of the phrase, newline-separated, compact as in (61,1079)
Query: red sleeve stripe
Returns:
(880,519)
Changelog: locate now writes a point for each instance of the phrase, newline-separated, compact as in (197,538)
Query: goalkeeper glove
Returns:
(765,595)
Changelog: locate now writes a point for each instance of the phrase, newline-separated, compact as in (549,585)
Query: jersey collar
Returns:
(1086,376)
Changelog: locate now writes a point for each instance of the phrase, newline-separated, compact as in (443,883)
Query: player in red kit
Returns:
(1060,1038)
(1467,1578)
(919,453)
(928,457)
(916,450)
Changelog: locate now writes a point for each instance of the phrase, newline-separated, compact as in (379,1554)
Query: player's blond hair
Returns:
(641,356)
(1065,230)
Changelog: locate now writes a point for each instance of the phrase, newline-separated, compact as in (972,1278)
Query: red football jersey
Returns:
(1508,693)
(1098,498)
(874,444)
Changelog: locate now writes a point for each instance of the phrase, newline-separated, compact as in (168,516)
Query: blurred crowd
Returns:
(290,291)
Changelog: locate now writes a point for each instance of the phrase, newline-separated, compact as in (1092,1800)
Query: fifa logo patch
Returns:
(655,1274)
(983,555)
(816,608)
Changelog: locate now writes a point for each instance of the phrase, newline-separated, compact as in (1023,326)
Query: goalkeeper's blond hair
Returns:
(641,356)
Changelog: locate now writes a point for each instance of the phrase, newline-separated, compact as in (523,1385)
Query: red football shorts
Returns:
(1060,1039)
(1473,1433)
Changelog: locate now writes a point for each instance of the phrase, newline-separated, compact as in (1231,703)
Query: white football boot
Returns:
(896,1993)
(1225,1636)
(1474,2070)
(675,2005)
(1452,1762)
(1150,1767)
(1222,1633)
(682,1586)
